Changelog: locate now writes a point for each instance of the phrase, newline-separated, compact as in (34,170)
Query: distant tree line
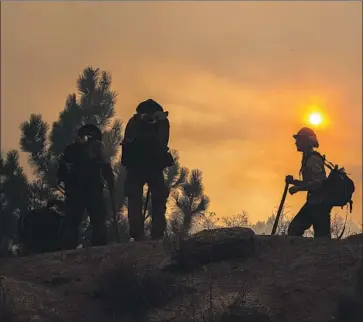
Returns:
(209,220)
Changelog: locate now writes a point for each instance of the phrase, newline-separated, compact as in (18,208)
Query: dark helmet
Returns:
(149,106)
(90,130)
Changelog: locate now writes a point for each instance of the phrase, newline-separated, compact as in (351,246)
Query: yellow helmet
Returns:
(309,134)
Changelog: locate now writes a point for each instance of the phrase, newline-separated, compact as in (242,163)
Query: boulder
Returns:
(215,245)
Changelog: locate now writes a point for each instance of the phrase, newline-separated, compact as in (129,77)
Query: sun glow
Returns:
(315,118)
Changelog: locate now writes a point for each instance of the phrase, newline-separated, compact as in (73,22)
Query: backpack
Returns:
(338,188)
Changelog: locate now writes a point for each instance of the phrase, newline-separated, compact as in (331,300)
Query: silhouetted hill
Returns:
(229,275)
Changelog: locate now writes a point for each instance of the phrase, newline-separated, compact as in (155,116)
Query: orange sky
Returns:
(236,77)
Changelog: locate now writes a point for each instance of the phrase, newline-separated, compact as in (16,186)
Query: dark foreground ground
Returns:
(224,276)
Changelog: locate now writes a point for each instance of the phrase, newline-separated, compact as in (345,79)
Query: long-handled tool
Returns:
(345,223)
(279,211)
(114,212)
(146,204)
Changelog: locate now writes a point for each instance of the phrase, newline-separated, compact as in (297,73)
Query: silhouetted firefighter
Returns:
(322,193)
(83,169)
(145,154)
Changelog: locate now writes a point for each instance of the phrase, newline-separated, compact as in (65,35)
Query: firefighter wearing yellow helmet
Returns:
(315,212)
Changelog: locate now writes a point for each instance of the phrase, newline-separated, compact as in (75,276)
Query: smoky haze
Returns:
(236,77)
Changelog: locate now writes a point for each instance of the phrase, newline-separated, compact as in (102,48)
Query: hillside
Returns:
(228,275)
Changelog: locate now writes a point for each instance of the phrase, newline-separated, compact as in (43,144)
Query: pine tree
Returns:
(14,195)
(189,198)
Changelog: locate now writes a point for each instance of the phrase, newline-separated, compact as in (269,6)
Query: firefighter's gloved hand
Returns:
(147,118)
(159,115)
(293,190)
(289,179)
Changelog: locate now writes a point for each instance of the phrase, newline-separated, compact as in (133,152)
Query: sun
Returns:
(315,118)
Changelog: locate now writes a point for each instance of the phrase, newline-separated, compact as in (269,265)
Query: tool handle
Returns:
(146,204)
(279,211)
(114,215)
